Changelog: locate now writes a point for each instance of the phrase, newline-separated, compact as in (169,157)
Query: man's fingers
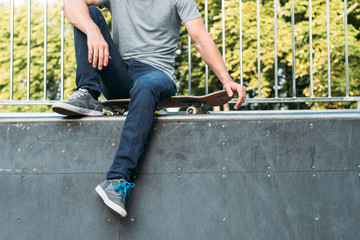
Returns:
(106,56)
(229,91)
(103,56)
(241,91)
(99,56)
(101,59)
(239,103)
(90,54)
(98,49)
(95,57)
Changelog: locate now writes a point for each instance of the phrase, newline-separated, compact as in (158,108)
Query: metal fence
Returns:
(11,101)
(259,99)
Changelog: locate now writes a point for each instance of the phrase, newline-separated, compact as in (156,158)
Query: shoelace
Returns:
(124,189)
(78,93)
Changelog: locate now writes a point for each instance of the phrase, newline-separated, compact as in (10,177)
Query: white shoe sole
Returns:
(70,110)
(116,208)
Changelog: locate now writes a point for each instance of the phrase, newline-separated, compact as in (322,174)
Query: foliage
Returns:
(198,73)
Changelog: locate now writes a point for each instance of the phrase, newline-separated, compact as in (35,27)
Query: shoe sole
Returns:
(70,110)
(116,208)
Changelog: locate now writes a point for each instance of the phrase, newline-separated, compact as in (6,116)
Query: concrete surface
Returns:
(246,175)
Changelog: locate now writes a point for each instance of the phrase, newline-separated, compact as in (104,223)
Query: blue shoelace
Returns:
(124,188)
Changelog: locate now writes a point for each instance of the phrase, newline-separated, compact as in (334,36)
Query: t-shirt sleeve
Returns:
(187,10)
(104,4)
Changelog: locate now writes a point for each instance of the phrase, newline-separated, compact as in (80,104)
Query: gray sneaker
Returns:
(114,193)
(80,103)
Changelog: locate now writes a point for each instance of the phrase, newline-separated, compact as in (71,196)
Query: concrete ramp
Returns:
(251,175)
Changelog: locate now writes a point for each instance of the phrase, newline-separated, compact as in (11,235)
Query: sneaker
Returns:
(80,103)
(114,193)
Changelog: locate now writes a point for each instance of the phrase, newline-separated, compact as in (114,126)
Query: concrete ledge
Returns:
(250,175)
(214,116)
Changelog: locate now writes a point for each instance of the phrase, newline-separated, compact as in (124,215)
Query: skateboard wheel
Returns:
(191,110)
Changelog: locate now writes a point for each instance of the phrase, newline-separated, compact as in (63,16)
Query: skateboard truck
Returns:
(115,111)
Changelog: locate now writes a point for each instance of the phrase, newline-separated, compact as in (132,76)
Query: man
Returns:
(137,64)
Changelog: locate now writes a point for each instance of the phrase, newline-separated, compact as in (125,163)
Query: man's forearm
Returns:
(77,13)
(211,55)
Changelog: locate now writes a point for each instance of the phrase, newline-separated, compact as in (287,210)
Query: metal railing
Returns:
(258,99)
(11,101)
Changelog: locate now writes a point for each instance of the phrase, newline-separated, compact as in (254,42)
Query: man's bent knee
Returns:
(146,86)
(156,89)
(95,13)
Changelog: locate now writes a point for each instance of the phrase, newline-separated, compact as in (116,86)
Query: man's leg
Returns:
(90,81)
(112,80)
(150,85)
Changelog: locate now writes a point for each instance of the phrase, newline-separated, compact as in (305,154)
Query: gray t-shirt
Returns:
(148,30)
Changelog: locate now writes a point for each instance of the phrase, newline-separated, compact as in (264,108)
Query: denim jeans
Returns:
(142,83)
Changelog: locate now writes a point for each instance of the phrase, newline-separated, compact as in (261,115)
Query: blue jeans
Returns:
(142,83)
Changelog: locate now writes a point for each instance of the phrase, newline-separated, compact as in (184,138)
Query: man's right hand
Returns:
(98,53)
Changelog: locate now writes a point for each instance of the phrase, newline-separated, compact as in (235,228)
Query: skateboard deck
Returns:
(194,104)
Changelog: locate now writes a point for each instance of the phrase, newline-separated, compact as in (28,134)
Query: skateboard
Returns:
(194,104)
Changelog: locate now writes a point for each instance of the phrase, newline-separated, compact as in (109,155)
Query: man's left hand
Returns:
(232,87)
